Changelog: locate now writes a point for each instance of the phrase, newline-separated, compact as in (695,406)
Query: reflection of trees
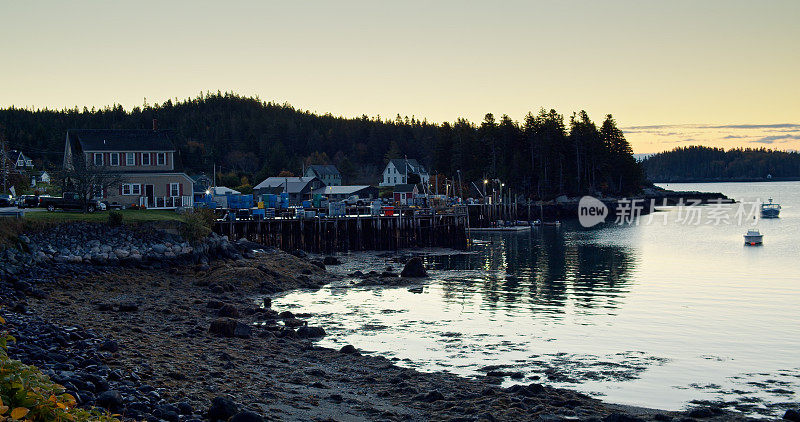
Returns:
(545,270)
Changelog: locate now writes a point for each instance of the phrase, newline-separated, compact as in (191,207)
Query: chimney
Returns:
(155,124)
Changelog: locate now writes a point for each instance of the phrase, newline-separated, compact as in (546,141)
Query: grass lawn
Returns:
(128,216)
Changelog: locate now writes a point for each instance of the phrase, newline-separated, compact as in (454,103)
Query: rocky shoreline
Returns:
(176,335)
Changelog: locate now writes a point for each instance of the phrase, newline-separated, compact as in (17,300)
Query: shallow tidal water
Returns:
(665,312)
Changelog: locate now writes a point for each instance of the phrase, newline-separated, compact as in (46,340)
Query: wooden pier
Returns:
(408,229)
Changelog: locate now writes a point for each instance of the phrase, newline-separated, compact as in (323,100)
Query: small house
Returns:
(338,193)
(398,171)
(146,160)
(405,193)
(298,188)
(329,174)
(20,160)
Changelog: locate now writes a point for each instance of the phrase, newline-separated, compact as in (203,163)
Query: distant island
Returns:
(247,139)
(706,164)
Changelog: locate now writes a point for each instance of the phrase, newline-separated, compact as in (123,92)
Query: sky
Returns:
(673,73)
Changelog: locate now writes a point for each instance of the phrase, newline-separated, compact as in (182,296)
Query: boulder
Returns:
(414,268)
(229,327)
(310,332)
(792,415)
(110,400)
(349,350)
(222,409)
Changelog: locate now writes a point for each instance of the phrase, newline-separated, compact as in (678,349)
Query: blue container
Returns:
(306,204)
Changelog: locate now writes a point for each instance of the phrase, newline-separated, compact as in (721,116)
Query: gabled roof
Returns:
(340,190)
(120,140)
(413,165)
(290,184)
(404,188)
(15,156)
(324,170)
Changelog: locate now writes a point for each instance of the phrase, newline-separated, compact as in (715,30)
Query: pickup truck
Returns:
(69,201)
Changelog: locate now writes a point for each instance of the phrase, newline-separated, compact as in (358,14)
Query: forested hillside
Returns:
(542,156)
(704,163)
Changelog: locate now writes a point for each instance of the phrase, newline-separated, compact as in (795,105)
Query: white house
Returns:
(44,177)
(21,162)
(398,170)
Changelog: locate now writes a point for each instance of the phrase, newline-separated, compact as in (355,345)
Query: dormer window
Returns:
(113,159)
(130,159)
(161,159)
(98,159)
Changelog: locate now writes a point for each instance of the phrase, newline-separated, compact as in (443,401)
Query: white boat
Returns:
(753,237)
(770,210)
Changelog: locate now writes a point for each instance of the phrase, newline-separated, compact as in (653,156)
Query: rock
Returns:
(414,268)
(184,408)
(430,397)
(792,415)
(310,332)
(293,322)
(298,253)
(222,408)
(110,400)
(286,314)
(349,350)
(331,260)
(109,346)
(318,263)
(229,327)
(246,416)
(228,310)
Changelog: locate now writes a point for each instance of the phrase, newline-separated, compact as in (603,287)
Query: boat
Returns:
(770,209)
(753,237)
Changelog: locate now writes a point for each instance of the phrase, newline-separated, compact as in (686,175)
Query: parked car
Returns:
(28,201)
(6,200)
(69,201)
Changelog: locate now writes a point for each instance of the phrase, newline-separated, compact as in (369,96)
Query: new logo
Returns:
(591,211)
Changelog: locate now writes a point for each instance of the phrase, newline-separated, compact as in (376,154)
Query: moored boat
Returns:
(770,209)
(753,237)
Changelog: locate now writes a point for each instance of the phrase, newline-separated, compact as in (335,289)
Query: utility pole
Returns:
(4,158)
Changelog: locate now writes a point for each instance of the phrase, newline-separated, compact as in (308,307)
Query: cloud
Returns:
(653,138)
(772,139)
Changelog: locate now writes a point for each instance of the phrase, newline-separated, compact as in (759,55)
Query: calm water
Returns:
(658,314)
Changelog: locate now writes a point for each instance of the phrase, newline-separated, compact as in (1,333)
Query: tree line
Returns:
(248,139)
(698,163)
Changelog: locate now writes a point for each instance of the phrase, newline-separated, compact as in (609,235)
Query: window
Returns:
(136,189)
(98,159)
(161,159)
(114,159)
(126,189)
(146,159)
(174,189)
(130,159)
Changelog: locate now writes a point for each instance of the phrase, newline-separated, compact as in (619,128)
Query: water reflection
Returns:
(546,271)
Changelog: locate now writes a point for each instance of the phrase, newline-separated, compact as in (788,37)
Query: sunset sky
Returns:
(723,73)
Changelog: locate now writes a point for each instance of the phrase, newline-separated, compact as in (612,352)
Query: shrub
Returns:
(197,225)
(27,394)
(114,218)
